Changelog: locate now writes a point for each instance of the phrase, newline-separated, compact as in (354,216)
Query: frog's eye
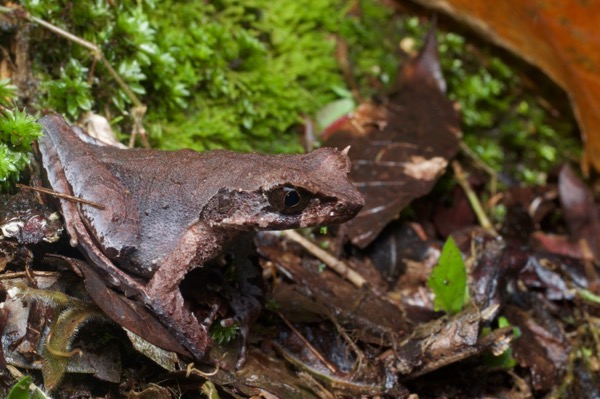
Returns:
(289,199)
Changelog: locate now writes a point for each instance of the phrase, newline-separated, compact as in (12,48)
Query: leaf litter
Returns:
(322,335)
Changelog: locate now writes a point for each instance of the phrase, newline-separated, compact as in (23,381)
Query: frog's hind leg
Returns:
(73,168)
(171,310)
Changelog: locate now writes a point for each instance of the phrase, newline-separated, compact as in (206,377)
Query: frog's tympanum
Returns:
(155,215)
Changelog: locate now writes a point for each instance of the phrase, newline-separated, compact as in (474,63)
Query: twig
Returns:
(14,275)
(60,353)
(139,107)
(360,356)
(481,164)
(337,265)
(310,347)
(63,196)
(138,113)
(341,55)
(588,264)
(190,369)
(461,178)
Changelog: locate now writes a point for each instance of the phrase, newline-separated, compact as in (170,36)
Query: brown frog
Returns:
(163,213)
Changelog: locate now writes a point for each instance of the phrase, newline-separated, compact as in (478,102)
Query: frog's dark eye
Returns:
(289,199)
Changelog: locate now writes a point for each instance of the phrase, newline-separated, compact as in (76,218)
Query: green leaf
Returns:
(24,389)
(503,322)
(58,349)
(17,131)
(333,111)
(448,280)
(84,103)
(21,389)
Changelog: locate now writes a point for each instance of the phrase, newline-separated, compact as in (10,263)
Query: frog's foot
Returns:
(175,315)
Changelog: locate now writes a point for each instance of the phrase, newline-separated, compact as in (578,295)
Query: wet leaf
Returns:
(539,274)
(400,147)
(498,264)
(448,280)
(581,214)
(542,348)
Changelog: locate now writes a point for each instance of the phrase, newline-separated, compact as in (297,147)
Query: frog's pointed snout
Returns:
(357,204)
(348,204)
(355,201)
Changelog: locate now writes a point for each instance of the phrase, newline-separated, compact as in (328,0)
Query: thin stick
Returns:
(341,55)
(310,347)
(360,356)
(337,265)
(13,275)
(63,196)
(96,51)
(461,178)
(482,165)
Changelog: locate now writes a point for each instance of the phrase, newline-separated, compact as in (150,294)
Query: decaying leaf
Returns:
(399,148)
(42,325)
(58,349)
(447,340)
(542,348)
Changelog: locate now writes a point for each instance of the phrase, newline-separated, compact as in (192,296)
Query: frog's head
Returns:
(286,191)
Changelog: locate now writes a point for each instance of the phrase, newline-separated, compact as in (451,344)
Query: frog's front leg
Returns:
(198,245)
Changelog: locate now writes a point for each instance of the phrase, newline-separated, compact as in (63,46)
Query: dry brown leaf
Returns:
(400,147)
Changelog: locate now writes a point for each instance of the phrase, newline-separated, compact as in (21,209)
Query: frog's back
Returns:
(169,189)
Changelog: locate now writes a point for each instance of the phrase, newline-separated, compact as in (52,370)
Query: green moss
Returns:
(372,33)
(70,92)
(223,335)
(230,73)
(17,131)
